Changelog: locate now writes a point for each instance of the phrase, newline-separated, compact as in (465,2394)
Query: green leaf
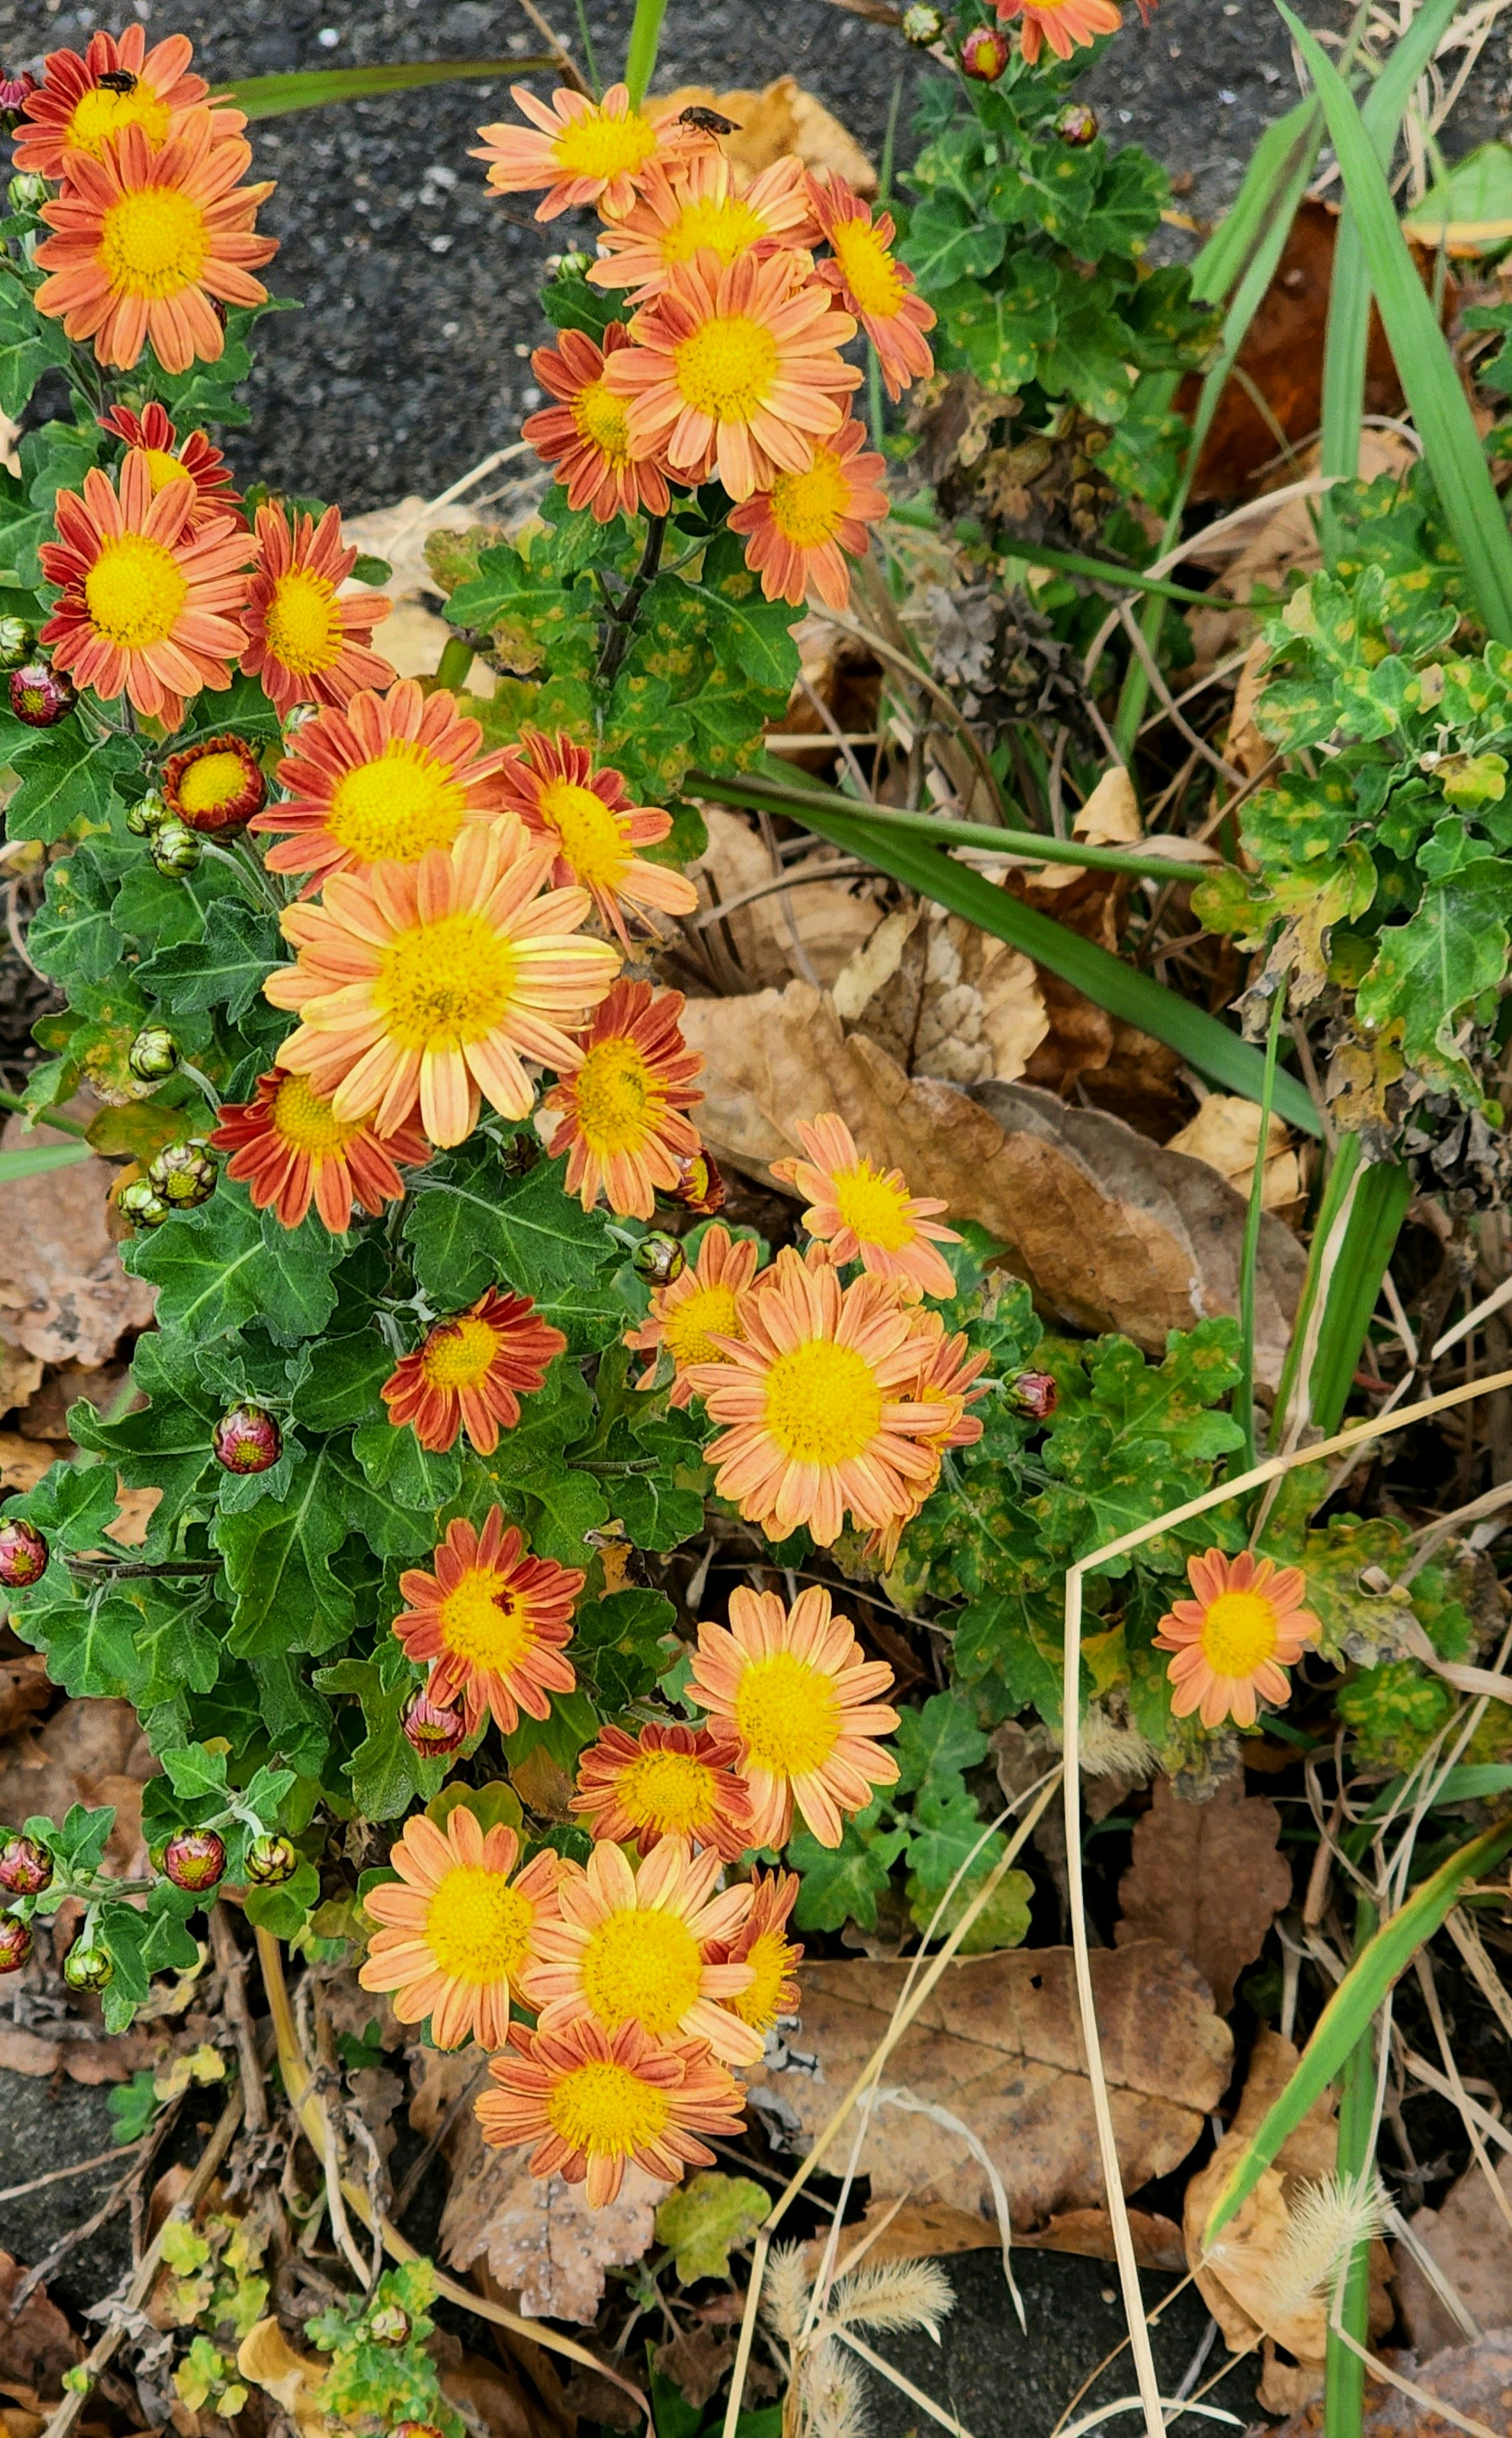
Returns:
(842,1883)
(937,1741)
(342,1385)
(73,937)
(470,1226)
(706,2219)
(225,1265)
(1002,1921)
(270,96)
(66,777)
(387,1773)
(947,243)
(30,346)
(282,1910)
(617,1641)
(226,968)
(1453,948)
(394,1461)
(278,1558)
(91,1645)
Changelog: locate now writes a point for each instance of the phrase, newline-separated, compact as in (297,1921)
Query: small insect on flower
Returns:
(471,1371)
(708,122)
(1235,1641)
(495,1621)
(456,1926)
(118,82)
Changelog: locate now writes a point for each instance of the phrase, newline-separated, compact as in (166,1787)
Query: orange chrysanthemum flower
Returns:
(620,1112)
(949,1374)
(800,533)
(867,1214)
(215,784)
(792,1688)
(1064,23)
(688,204)
(148,607)
(197,460)
(382,781)
(587,437)
(72,110)
(289,1149)
(304,643)
(773,1958)
(456,1926)
(426,984)
(1236,1640)
(581,152)
(594,2105)
(146,242)
(493,1622)
(588,818)
(817,1427)
(667,1781)
(736,370)
(701,1306)
(472,1370)
(629,1945)
(870,281)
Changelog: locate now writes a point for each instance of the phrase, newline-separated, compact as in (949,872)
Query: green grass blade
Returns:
(1370,1239)
(38,1159)
(1246,1457)
(1345,2373)
(315,88)
(1136,998)
(1335,1186)
(1106,571)
(1439,406)
(640,59)
(1345,2019)
(1289,144)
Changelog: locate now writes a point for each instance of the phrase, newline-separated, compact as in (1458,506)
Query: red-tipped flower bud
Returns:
(1077,124)
(432,1730)
(700,1188)
(195,1860)
(39,696)
(15,1943)
(271,1861)
(23,1553)
(26,1867)
(1035,1395)
(247,1439)
(984,53)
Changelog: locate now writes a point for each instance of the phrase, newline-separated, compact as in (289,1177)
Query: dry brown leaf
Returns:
(37,2345)
(65,1293)
(832,919)
(784,121)
(1206,1878)
(1110,817)
(490,2397)
(266,2357)
(91,1752)
(1471,2241)
(697,2361)
(24,1688)
(134,1515)
(23,1461)
(944,997)
(999,2045)
(1226,1134)
(1475,2380)
(20,1376)
(934,2230)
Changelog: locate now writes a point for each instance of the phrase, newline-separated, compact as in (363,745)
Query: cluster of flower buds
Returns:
(40,695)
(179,1177)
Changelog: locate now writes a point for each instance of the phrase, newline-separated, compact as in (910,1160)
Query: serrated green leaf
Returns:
(706,2219)
(937,1742)
(65,777)
(472,1227)
(220,1267)
(277,1557)
(842,1883)
(226,968)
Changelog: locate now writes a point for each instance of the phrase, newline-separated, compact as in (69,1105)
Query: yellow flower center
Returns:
(727,224)
(641,1965)
(304,622)
(618,1099)
(671,1792)
(482,1623)
(771,1958)
(727,369)
(823,1406)
(605,2110)
(807,508)
(689,1331)
(605,420)
(135,592)
(459,1353)
(162,467)
(306,1122)
(787,1714)
(876,1210)
(445,984)
(100,113)
(590,834)
(597,146)
(212,781)
(396,808)
(870,273)
(1239,1632)
(154,242)
(476,1926)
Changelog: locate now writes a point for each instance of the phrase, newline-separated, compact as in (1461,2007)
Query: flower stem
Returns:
(455,661)
(640,59)
(1345,2373)
(1245,1458)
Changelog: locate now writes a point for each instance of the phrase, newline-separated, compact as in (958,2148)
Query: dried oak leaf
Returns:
(1470,2240)
(37,2345)
(998,2043)
(943,997)
(695,2361)
(831,919)
(932,2230)
(63,1290)
(1206,1878)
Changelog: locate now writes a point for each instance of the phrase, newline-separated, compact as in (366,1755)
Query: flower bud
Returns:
(173,847)
(27,192)
(921,26)
(141,1205)
(26,1867)
(39,694)
(195,1860)
(88,1967)
(432,1730)
(247,1439)
(417,2430)
(700,1188)
(183,1174)
(572,266)
(215,787)
(658,1260)
(1034,1394)
(146,814)
(153,1054)
(1077,124)
(23,1553)
(16,639)
(15,1943)
(984,53)
(271,1861)
(389,2325)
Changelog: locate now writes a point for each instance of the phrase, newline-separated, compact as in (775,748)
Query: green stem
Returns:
(455,661)
(1246,1456)
(617,641)
(591,64)
(640,59)
(1344,2374)
(41,1118)
(1127,579)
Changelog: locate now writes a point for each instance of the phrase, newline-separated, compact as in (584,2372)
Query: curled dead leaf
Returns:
(1209,1879)
(1226,1134)
(65,1296)
(266,2357)
(1470,2239)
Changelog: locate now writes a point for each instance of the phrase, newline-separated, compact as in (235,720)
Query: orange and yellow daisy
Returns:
(792,1688)
(594,2103)
(586,435)
(587,816)
(457,1924)
(472,1370)
(814,1424)
(492,1622)
(628,1944)
(701,1306)
(871,283)
(800,532)
(195,460)
(581,152)
(147,608)
(381,780)
(669,1780)
(424,985)
(1236,1640)
(1065,25)
(773,1958)
(289,1150)
(620,1111)
(950,1374)
(685,205)
(147,243)
(72,110)
(867,1214)
(303,643)
(736,370)
(214,785)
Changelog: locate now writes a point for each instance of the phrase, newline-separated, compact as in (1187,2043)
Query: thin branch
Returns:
(232,1966)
